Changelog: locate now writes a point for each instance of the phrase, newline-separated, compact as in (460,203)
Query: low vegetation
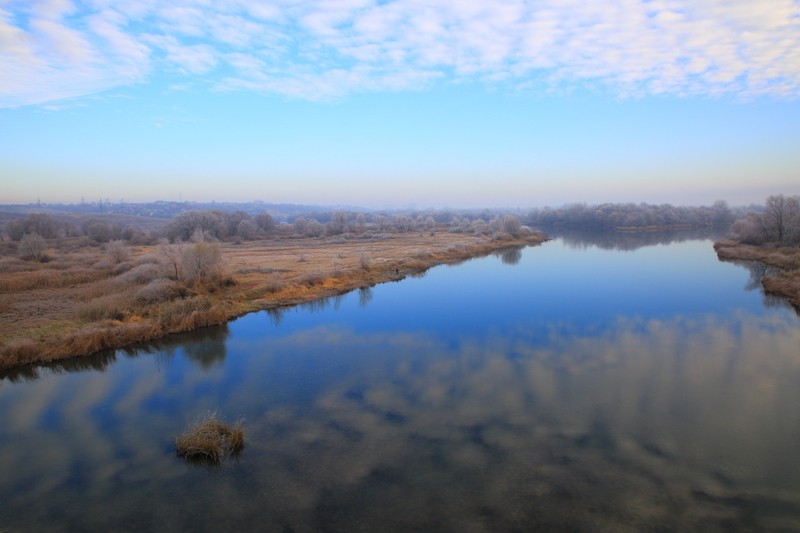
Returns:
(770,236)
(210,440)
(95,286)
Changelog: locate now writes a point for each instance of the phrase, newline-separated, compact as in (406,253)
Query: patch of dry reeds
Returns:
(210,440)
(110,306)
(47,279)
(786,284)
(18,352)
(190,313)
(273,283)
(102,336)
(312,278)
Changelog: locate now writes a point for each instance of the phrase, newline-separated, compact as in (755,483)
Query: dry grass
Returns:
(49,278)
(210,440)
(110,306)
(139,275)
(786,283)
(71,307)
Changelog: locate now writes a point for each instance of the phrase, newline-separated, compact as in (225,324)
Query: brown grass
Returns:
(69,308)
(210,440)
(110,306)
(786,283)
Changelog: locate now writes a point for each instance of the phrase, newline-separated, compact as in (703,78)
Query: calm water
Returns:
(575,386)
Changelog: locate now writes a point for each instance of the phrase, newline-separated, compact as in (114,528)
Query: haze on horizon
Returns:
(389,103)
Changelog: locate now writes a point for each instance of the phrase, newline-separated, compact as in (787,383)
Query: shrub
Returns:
(140,275)
(312,278)
(202,262)
(160,290)
(103,264)
(510,224)
(247,230)
(118,251)
(209,440)
(121,268)
(364,261)
(148,259)
(111,306)
(32,247)
(274,283)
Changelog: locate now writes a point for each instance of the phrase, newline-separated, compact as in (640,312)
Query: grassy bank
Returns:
(786,259)
(78,303)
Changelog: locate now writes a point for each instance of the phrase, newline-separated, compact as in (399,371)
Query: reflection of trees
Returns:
(207,347)
(758,271)
(511,256)
(315,306)
(629,240)
(97,362)
(364,296)
(276,315)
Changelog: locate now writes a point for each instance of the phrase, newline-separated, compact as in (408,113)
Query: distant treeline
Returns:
(633,216)
(754,223)
(220,225)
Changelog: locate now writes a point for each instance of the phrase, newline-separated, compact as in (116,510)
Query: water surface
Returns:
(571,386)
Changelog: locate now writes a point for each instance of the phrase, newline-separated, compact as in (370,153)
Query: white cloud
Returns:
(324,48)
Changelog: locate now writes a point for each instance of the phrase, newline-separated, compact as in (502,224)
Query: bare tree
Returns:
(750,229)
(300,225)
(247,230)
(118,251)
(172,253)
(41,224)
(511,225)
(780,214)
(315,228)
(265,223)
(202,262)
(338,223)
(32,246)
(97,230)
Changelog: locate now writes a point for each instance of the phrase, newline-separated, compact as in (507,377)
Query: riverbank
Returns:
(785,282)
(72,307)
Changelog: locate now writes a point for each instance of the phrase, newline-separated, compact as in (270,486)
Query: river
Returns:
(625,383)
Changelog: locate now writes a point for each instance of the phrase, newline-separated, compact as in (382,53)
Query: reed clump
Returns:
(210,440)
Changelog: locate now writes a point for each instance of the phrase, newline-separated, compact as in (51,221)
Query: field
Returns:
(82,300)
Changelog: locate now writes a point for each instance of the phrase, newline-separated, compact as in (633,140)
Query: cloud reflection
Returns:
(687,423)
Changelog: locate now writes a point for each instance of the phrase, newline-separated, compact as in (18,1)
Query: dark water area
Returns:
(590,384)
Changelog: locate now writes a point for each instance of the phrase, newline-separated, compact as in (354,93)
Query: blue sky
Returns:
(502,103)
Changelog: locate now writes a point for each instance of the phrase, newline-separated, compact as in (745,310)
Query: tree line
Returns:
(31,235)
(612,216)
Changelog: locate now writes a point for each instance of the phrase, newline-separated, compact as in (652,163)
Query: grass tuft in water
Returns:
(210,440)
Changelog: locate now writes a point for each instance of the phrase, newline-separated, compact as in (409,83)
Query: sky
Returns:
(400,103)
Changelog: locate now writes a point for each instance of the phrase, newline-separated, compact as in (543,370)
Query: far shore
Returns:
(41,321)
(785,283)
